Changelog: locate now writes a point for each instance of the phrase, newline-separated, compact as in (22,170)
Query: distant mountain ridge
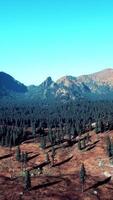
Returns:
(104,76)
(94,86)
(9,84)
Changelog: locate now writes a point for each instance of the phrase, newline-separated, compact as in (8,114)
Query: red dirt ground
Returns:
(60,182)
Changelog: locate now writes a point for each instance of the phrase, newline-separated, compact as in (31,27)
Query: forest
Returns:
(19,122)
(50,129)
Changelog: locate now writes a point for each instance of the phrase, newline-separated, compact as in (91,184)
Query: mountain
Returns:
(94,86)
(104,76)
(8,85)
(98,85)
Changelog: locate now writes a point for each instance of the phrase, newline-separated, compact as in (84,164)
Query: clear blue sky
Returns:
(40,38)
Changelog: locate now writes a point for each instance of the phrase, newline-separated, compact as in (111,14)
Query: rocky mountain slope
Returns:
(93,86)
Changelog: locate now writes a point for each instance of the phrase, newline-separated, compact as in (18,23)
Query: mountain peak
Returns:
(66,80)
(49,79)
(3,74)
(47,82)
(108,69)
(105,75)
(8,83)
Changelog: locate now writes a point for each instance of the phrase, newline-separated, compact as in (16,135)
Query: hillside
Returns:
(8,84)
(104,76)
(62,180)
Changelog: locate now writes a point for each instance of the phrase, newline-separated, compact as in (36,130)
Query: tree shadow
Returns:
(27,141)
(62,162)
(29,152)
(109,188)
(45,185)
(6,156)
(69,143)
(34,156)
(90,147)
(99,183)
(39,166)
(56,143)
(96,142)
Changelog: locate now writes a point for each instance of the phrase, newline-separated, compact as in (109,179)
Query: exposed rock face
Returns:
(93,86)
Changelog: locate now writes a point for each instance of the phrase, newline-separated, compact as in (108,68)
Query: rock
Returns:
(32,174)
(95,192)
(107,174)
(21,193)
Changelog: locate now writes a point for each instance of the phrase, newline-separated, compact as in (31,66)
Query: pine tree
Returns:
(47,158)
(53,155)
(97,130)
(82,176)
(27,180)
(79,144)
(108,143)
(10,143)
(43,142)
(18,154)
(34,130)
(84,143)
(87,138)
(25,158)
(112,150)
(22,157)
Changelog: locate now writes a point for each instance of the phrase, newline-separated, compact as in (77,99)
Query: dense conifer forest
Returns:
(19,122)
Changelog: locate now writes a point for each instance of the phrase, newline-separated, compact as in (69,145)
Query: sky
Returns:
(41,38)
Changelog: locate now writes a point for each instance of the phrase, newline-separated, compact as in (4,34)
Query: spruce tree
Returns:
(79,144)
(84,143)
(22,157)
(53,155)
(82,176)
(25,157)
(47,158)
(18,154)
(112,150)
(27,180)
(87,138)
(108,143)
(43,142)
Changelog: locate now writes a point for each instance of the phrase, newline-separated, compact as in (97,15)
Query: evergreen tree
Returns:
(25,157)
(47,158)
(97,129)
(88,138)
(10,143)
(53,155)
(22,157)
(82,176)
(43,141)
(101,125)
(112,150)
(18,153)
(108,144)
(33,130)
(84,143)
(79,144)
(27,180)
